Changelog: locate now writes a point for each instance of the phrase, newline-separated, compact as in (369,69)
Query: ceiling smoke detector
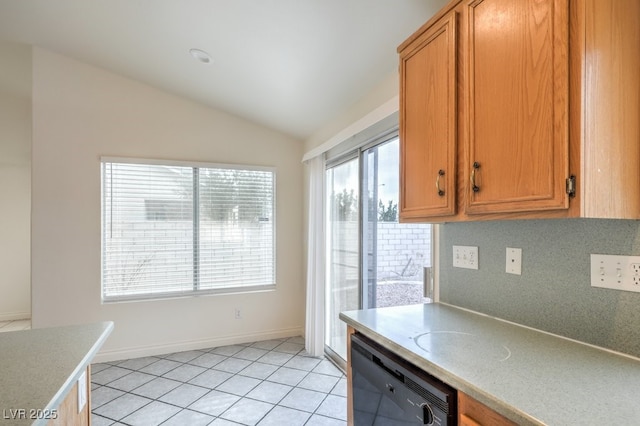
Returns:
(200,55)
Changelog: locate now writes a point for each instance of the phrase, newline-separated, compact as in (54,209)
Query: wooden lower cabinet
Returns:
(473,413)
(67,414)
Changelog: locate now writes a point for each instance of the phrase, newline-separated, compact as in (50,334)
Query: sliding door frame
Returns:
(337,159)
(341,155)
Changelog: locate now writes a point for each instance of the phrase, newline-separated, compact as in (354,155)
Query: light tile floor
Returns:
(15,325)
(264,383)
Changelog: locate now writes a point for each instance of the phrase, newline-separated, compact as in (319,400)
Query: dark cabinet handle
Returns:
(440,191)
(474,187)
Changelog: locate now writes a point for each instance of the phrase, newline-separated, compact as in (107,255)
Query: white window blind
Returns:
(171,229)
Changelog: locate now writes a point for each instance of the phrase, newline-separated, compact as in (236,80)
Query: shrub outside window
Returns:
(174,229)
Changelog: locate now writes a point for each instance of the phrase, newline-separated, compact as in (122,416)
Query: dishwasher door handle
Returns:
(427,414)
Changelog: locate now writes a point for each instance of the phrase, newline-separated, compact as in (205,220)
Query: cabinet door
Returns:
(473,413)
(428,123)
(467,421)
(517,96)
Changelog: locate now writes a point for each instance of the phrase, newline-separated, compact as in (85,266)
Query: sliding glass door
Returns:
(343,250)
(372,260)
(394,254)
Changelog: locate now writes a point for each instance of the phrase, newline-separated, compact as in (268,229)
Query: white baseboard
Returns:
(142,351)
(13,316)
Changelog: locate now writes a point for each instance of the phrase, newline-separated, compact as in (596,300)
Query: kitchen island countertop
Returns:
(39,367)
(529,376)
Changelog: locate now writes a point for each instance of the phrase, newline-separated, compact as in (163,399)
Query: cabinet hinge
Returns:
(571,186)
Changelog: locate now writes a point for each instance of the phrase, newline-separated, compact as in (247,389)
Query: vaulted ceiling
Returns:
(291,65)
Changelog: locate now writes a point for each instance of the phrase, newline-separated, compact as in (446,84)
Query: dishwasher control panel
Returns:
(391,391)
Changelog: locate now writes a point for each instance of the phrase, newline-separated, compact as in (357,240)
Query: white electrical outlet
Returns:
(238,313)
(465,257)
(514,261)
(615,272)
(82,391)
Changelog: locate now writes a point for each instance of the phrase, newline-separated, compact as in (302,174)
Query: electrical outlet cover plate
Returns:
(615,272)
(82,391)
(465,257)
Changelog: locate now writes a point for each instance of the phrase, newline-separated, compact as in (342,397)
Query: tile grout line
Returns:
(237,374)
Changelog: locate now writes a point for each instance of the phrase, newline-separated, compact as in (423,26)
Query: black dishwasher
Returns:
(390,391)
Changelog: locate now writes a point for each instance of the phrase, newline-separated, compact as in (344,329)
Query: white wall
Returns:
(379,95)
(15,181)
(81,113)
(343,124)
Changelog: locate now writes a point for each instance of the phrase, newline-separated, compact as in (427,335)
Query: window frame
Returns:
(196,224)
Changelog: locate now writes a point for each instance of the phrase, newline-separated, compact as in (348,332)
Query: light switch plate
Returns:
(465,257)
(514,261)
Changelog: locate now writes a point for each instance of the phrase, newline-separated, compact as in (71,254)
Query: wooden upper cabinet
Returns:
(517,98)
(607,55)
(428,122)
(531,92)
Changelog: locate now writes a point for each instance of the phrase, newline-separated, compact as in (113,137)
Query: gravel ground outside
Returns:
(396,293)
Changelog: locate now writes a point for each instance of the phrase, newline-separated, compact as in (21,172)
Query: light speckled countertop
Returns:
(38,367)
(530,377)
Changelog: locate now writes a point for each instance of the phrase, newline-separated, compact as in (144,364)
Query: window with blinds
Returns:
(173,229)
